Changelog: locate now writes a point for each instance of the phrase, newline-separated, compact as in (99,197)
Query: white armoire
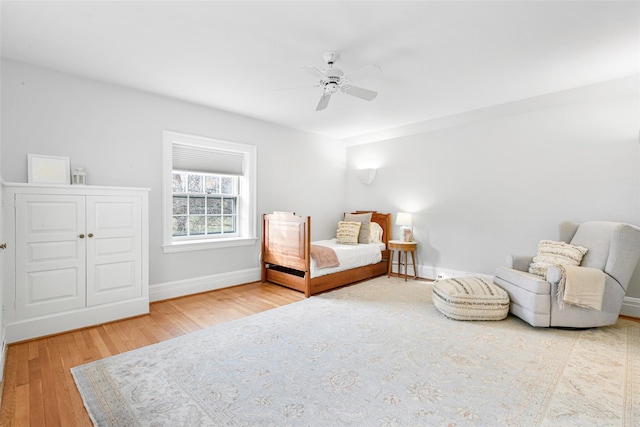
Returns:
(76,256)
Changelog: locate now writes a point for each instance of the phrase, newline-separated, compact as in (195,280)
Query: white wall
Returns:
(3,267)
(115,133)
(490,183)
(481,185)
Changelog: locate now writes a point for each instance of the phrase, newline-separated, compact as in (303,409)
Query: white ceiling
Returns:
(438,58)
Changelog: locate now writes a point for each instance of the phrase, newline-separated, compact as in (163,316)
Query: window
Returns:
(209,193)
(204,204)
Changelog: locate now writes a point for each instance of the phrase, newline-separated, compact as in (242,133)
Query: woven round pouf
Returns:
(470,298)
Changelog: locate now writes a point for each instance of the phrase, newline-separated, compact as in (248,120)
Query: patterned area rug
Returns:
(373,354)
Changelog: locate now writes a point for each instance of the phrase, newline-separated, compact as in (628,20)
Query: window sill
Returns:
(201,245)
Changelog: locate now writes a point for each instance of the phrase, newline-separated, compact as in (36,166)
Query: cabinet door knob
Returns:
(3,246)
(90,234)
(81,236)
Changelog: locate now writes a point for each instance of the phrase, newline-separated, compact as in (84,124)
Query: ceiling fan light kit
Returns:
(333,80)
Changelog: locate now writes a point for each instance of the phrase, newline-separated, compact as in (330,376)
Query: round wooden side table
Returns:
(403,247)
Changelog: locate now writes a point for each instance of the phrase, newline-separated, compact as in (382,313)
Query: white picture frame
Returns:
(43,169)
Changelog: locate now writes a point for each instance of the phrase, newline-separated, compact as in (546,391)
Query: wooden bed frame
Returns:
(286,259)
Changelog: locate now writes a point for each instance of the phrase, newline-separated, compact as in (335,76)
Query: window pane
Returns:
(213,226)
(179,225)
(229,206)
(179,183)
(229,224)
(212,184)
(228,186)
(179,205)
(196,224)
(195,183)
(214,205)
(203,198)
(196,205)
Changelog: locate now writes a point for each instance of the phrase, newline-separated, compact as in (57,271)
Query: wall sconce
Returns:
(404,219)
(366,176)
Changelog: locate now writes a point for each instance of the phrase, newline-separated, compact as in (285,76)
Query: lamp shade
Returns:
(403,219)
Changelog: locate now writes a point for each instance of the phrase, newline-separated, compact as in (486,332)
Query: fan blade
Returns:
(324,101)
(359,92)
(363,72)
(315,72)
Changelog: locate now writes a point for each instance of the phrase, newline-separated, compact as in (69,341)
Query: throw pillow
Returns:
(348,232)
(375,234)
(555,253)
(365,220)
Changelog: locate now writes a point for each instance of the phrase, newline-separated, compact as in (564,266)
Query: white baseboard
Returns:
(180,288)
(631,307)
(54,323)
(434,273)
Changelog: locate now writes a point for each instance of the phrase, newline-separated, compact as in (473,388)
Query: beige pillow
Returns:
(348,232)
(375,234)
(555,253)
(365,220)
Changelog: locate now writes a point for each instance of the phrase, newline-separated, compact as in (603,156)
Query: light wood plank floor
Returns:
(38,389)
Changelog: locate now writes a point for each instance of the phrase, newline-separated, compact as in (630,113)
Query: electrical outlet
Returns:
(440,276)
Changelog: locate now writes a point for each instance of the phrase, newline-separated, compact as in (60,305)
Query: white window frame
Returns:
(247,202)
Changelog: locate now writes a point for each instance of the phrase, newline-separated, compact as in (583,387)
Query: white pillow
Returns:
(375,234)
(555,253)
(348,232)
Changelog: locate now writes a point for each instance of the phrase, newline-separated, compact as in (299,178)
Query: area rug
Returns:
(373,354)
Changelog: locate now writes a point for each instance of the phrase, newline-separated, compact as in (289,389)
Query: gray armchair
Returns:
(613,247)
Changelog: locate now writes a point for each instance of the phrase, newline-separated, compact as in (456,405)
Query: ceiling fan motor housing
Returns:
(333,81)
(333,73)
(331,87)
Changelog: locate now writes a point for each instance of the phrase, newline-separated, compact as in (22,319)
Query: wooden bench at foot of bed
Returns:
(286,258)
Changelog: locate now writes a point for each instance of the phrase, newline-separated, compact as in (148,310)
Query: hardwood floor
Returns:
(38,388)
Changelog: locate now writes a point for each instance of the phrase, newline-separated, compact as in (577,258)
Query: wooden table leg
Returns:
(413,259)
(390,263)
(406,261)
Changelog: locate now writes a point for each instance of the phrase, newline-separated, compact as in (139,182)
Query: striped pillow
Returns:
(365,225)
(348,232)
(555,253)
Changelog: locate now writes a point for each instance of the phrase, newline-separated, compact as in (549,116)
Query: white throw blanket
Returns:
(581,286)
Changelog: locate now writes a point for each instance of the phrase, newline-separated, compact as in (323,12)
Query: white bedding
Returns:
(350,256)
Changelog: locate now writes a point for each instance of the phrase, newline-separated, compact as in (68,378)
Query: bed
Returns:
(287,261)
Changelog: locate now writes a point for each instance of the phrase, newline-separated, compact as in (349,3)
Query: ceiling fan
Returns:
(333,80)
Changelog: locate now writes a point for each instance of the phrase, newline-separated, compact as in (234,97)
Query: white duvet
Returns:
(350,256)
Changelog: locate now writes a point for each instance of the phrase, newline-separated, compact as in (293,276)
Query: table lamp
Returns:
(404,219)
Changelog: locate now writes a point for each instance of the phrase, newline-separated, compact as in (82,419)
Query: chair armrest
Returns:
(554,274)
(519,262)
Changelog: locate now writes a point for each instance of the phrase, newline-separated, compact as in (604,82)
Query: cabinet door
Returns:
(114,248)
(50,254)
